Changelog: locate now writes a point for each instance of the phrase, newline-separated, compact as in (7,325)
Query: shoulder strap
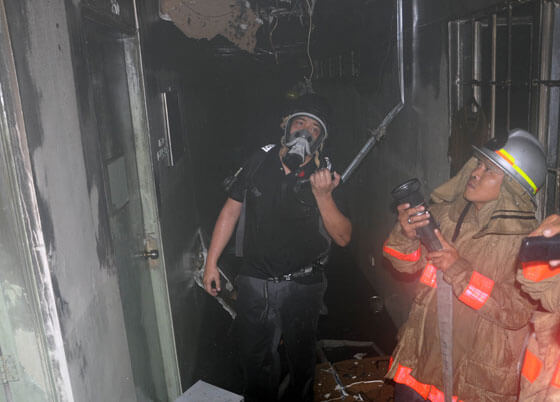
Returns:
(460,222)
(240,231)
(324,256)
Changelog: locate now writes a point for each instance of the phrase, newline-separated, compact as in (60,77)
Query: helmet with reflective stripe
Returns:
(521,156)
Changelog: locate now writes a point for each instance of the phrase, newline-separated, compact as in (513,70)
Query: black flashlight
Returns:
(540,248)
(409,192)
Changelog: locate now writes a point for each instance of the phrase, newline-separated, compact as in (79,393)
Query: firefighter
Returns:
(540,374)
(286,228)
(483,213)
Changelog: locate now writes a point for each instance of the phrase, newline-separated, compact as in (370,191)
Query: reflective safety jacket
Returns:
(540,376)
(490,315)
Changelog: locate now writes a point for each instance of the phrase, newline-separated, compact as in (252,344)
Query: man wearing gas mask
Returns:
(483,214)
(287,215)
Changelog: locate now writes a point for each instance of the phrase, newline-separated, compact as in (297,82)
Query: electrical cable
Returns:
(310,10)
(270,39)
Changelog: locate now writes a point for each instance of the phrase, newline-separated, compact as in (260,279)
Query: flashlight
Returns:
(540,248)
(409,192)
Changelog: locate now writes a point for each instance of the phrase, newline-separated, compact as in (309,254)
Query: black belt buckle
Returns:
(278,279)
(308,270)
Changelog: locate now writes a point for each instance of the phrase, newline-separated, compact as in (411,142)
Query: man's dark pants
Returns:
(266,312)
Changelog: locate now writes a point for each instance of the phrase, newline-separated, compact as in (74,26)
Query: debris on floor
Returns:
(202,391)
(353,380)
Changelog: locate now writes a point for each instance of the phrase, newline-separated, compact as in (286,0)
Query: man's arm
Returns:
(337,225)
(222,233)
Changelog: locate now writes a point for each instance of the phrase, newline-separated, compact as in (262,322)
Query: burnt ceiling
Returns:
(263,28)
(299,41)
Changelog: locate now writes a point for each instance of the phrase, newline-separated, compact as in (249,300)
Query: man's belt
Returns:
(306,271)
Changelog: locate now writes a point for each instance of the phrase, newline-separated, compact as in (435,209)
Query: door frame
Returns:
(148,193)
(132,48)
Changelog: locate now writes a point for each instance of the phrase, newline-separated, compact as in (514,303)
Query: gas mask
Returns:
(300,144)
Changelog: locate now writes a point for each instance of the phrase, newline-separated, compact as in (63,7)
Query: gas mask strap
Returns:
(316,159)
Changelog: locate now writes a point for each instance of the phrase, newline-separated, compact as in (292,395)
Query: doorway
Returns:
(111,56)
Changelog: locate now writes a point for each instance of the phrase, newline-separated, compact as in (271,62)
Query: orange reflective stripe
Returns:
(438,396)
(429,276)
(537,271)
(427,391)
(555,382)
(478,291)
(403,376)
(531,366)
(415,256)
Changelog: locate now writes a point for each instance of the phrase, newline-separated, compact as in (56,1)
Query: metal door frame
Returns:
(146,180)
(152,227)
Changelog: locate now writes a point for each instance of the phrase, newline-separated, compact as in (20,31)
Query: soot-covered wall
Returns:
(71,210)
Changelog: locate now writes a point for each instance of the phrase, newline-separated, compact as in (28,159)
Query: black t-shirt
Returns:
(283,234)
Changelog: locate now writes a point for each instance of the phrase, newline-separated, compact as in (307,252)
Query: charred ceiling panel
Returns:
(205,19)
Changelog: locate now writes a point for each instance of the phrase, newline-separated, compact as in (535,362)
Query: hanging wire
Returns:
(310,10)
(270,39)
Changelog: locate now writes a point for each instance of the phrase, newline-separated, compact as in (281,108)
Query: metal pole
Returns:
(493,87)
(546,40)
(508,79)
(476,61)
